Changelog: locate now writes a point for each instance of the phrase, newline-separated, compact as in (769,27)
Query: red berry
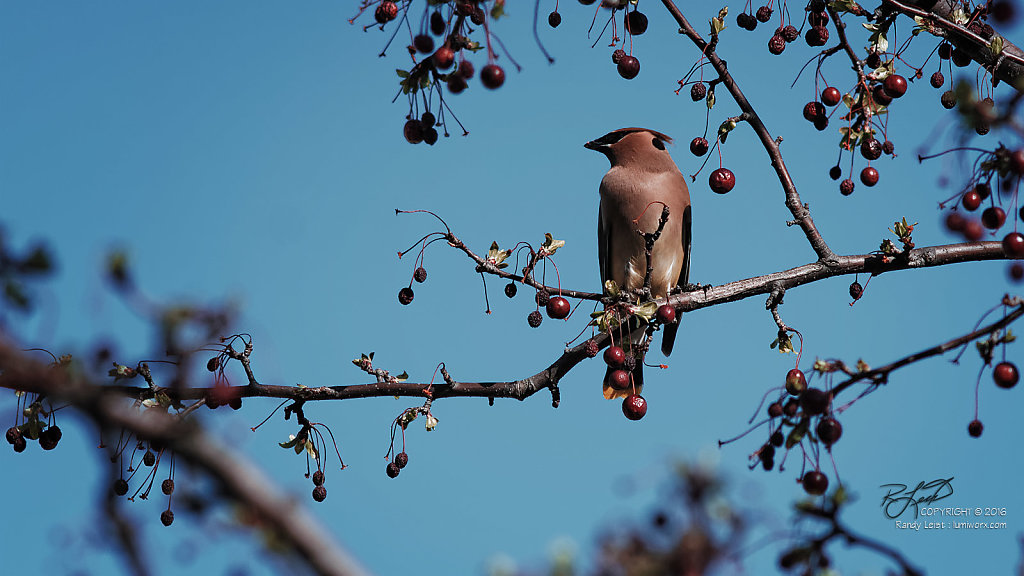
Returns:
(815,483)
(975,428)
(960,58)
(318,478)
(763,14)
(790,33)
(945,51)
(817,17)
(722,180)
(423,43)
(558,308)
(405,296)
(554,19)
(955,222)
(971,200)
(816,36)
(413,131)
(636,22)
(619,379)
(937,80)
(699,146)
(1005,374)
(492,76)
(1017,161)
(634,407)
(870,148)
(880,96)
(831,96)
(466,69)
(534,319)
(628,67)
(420,274)
(319,493)
(591,348)
(698,91)
(401,460)
(392,470)
(856,290)
(614,356)
(120,487)
(774,410)
(796,382)
(13,433)
(457,83)
(437,24)
(1013,245)
(973,230)
(813,111)
(948,99)
(542,297)
(869,176)
(846,187)
(814,401)
(1016,271)
(895,85)
(666,314)
(167,517)
(993,217)
(444,58)
(385,12)
(888,147)
(829,430)
(776,44)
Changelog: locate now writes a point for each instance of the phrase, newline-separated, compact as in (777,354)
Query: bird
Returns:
(642,172)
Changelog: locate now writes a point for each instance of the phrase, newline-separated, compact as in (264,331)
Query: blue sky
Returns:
(250,153)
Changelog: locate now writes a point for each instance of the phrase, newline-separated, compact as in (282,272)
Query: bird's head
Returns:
(627,145)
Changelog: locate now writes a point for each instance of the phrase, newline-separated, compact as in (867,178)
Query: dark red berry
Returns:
(888,147)
(973,230)
(777,439)
(167,517)
(617,55)
(614,356)
(13,433)
(430,136)
(628,67)
(492,76)
(1013,245)
(817,18)
(790,407)
(1017,161)
(960,58)
(634,407)
(815,483)
(945,51)
(776,44)
(835,172)
(1016,271)
(699,146)
(392,470)
(319,493)
(880,96)
(386,12)
(666,314)
(49,438)
(813,111)
(948,99)
(895,85)
(873,60)
(457,83)
(413,131)
(790,33)
(554,19)
(983,189)
(558,308)
(587,2)
(937,80)
(235,403)
(437,24)
(1005,375)
(405,296)
(401,460)
(423,43)
(213,363)
(120,487)
(542,297)
(511,289)
(443,58)
(619,379)
(318,478)
(871,149)
(993,217)
(796,382)
(821,123)
(763,14)
(829,430)
(636,22)
(1002,11)
(856,290)
(722,180)
(846,187)
(955,222)
(975,428)
(698,91)
(420,275)
(167,487)
(591,349)
(746,21)
(869,176)
(814,401)
(816,36)
(774,410)
(466,69)
(831,96)
(20,444)
(534,319)
(971,200)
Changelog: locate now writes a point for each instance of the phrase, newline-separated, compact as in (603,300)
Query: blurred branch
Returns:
(240,480)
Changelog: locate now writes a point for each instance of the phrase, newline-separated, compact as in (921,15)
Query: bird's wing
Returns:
(603,236)
(684,272)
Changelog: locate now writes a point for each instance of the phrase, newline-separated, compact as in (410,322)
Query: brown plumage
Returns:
(642,172)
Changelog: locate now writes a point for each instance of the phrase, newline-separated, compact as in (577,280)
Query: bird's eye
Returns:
(658,143)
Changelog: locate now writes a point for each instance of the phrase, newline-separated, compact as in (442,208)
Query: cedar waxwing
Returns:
(642,172)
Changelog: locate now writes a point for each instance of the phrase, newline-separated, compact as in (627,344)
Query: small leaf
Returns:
(402,73)
(710,99)
(497,256)
(550,245)
(292,440)
(402,377)
(996,46)
(797,434)
(431,423)
(647,310)
(611,288)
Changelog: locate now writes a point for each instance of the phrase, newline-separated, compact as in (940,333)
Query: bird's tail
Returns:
(668,339)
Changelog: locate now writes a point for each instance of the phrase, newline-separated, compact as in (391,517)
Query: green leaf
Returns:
(646,310)
(550,245)
(402,377)
(611,288)
(710,99)
(402,73)
(292,441)
(797,434)
(996,45)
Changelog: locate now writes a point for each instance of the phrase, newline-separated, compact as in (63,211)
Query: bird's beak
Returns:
(595,145)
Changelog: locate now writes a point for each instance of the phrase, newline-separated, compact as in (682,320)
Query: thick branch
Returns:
(799,211)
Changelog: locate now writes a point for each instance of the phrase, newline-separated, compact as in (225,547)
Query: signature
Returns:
(898,498)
